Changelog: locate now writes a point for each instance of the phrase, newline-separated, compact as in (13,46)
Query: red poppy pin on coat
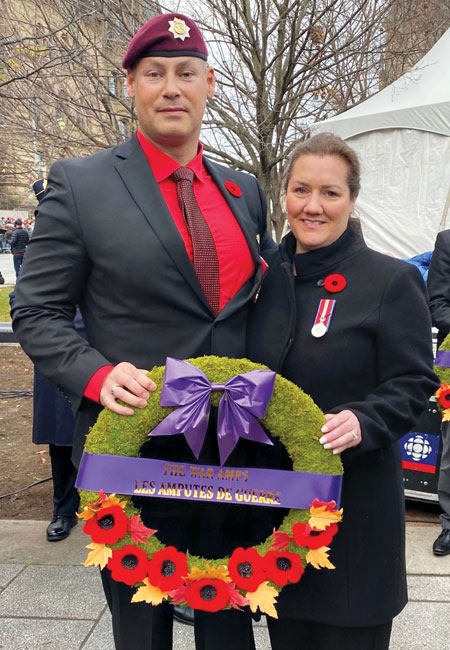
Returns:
(233,188)
(335,283)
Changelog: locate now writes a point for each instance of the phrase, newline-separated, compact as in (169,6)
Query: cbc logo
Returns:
(418,447)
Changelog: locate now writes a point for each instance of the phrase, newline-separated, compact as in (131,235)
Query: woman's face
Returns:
(318,200)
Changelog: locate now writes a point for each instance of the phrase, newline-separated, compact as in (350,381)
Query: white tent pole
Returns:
(444,214)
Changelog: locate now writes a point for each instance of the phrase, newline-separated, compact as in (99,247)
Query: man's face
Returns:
(170,95)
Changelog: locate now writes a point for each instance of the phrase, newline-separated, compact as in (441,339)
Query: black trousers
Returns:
(139,626)
(65,496)
(306,635)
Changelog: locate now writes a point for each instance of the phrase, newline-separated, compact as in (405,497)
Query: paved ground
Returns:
(7,268)
(49,601)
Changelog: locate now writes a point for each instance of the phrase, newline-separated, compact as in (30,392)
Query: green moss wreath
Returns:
(213,584)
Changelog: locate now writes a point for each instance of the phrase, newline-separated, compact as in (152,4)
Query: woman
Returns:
(366,360)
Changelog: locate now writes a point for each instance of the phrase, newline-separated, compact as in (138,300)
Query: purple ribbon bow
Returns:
(246,397)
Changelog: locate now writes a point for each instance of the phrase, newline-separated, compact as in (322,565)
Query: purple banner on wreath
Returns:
(442,358)
(189,481)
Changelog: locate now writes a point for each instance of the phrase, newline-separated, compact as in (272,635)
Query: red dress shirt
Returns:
(235,262)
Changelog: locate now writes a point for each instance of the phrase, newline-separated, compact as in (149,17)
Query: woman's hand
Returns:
(129,384)
(342,431)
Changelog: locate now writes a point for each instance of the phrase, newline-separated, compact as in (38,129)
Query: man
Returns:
(118,235)
(19,242)
(439,294)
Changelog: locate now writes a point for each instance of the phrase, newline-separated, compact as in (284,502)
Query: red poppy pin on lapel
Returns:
(233,189)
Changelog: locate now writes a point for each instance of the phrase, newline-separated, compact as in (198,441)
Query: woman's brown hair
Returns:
(327,144)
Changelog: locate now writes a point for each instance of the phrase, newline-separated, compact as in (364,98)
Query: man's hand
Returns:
(129,384)
(342,431)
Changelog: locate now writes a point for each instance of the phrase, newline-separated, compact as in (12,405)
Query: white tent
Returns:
(402,136)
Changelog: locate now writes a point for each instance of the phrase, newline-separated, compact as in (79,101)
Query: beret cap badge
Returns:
(179,28)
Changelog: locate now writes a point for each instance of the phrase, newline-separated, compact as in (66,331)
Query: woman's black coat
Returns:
(376,360)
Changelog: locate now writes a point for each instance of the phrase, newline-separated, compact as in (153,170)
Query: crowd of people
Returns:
(200,275)
(7,228)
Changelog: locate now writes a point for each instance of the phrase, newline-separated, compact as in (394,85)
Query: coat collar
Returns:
(317,263)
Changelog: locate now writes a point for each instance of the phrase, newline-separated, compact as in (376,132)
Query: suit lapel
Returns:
(133,168)
(238,206)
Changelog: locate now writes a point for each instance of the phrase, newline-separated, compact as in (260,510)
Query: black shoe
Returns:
(442,545)
(59,528)
(183,614)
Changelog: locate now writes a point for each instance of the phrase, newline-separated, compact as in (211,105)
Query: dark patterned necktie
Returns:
(206,263)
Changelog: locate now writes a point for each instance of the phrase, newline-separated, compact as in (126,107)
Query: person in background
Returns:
(439,297)
(19,243)
(54,424)
(181,286)
(351,327)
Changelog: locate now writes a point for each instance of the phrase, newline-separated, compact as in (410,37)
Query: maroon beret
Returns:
(166,35)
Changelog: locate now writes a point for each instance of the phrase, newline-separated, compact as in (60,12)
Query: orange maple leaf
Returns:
(322,516)
(87,513)
(138,531)
(112,500)
(99,555)
(319,558)
(446,415)
(149,594)
(264,599)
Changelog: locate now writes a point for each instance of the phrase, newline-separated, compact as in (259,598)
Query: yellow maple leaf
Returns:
(263,598)
(86,514)
(112,500)
(319,558)
(321,517)
(149,594)
(99,555)
(220,572)
(446,415)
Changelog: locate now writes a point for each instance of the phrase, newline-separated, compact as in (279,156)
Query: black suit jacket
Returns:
(105,240)
(439,285)
(376,360)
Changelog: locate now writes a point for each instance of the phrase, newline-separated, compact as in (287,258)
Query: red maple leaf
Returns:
(178,595)
(280,540)
(138,531)
(237,600)
(329,505)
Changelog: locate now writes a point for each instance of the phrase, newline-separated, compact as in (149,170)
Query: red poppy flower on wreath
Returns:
(167,569)
(304,535)
(233,189)
(209,594)
(107,526)
(128,565)
(335,283)
(282,567)
(246,569)
(444,398)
